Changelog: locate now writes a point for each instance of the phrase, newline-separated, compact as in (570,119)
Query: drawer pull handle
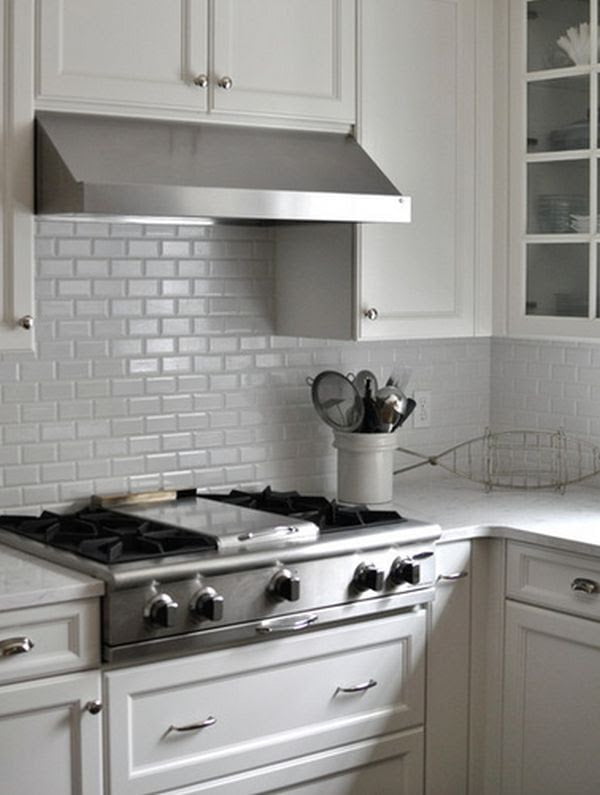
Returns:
(361,688)
(457,575)
(286,624)
(584,585)
(12,646)
(193,727)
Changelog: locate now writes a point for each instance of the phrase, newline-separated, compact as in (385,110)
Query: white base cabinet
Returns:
(49,741)
(551,703)
(283,710)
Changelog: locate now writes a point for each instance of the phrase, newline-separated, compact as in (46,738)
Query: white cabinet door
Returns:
(285,58)
(417,120)
(551,703)
(447,719)
(130,56)
(49,742)
(16,187)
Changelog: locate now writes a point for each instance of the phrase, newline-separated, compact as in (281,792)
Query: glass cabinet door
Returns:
(557,162)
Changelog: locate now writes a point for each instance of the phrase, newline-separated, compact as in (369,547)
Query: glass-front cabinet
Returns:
(555,208)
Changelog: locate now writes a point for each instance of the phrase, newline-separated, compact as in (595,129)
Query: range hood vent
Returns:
(98,167)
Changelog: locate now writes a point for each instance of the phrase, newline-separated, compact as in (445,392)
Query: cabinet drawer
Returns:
(548,578)
(64,637)
(263,703)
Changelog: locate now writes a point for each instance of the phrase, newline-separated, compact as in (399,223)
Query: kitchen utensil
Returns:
(360,381)
(337,400)
(410,407)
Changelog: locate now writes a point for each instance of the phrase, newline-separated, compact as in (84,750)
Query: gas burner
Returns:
(328,515)
(108,537)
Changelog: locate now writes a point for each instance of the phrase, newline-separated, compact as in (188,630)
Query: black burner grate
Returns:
(329,515)
(107,536)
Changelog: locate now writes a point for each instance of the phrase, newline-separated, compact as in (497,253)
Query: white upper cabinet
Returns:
(16,188)
(417,121)
(554,219)
(285,57)
(134,55)
(269,59)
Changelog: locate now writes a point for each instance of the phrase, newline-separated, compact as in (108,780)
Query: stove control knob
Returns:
(162,610)
(405,570)
(208,604)
(368,577)
(285,585)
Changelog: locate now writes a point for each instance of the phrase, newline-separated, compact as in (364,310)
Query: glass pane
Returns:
(558,114)
(557,279)
(558,34)
(558,197)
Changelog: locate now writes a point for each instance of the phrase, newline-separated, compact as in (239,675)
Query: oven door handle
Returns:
(286,624)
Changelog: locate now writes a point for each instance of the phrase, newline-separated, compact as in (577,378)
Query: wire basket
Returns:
(517,459)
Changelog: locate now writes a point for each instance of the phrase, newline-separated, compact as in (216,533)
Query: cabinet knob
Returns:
(94,707)
(584,585)
(26,322)
(201,81)
(226,83)
(12,646)
(371,313)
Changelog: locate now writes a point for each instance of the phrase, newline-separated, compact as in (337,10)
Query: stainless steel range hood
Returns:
(98,167)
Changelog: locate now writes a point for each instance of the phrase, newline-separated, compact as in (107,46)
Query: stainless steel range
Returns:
(198,572)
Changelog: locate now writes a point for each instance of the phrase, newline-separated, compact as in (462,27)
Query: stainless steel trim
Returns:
(12,646)
(357,688)
(287,624)
(227,636)
(584,585)
(193,727)
(457,575)
(107,166)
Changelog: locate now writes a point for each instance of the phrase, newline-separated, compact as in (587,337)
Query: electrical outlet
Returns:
(422,413)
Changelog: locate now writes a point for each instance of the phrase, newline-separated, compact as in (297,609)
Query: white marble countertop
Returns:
(27,581)
(463,509)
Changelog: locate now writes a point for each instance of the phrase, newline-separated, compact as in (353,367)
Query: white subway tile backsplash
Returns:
(156,368)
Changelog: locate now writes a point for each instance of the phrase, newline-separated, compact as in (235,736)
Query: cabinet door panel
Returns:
(417,122)
(285,57)
(48,742)
(16,187)
(134,54)
(551,703)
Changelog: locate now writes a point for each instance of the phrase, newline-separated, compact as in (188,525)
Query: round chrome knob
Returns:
(94,707)
(285,585)
(208,604)
(26,322)
(225,83)
(161,611)
(371,314)
(201,81)
(368,577)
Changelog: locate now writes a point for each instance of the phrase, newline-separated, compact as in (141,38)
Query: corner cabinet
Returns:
(554,286)
(16,189)
(290,61)
(416,117)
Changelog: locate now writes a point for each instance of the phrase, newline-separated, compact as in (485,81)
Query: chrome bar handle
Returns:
(457,575)
(268,533)
(12,646)
(361,688)
(193,727)
(286,624)
(584,585)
